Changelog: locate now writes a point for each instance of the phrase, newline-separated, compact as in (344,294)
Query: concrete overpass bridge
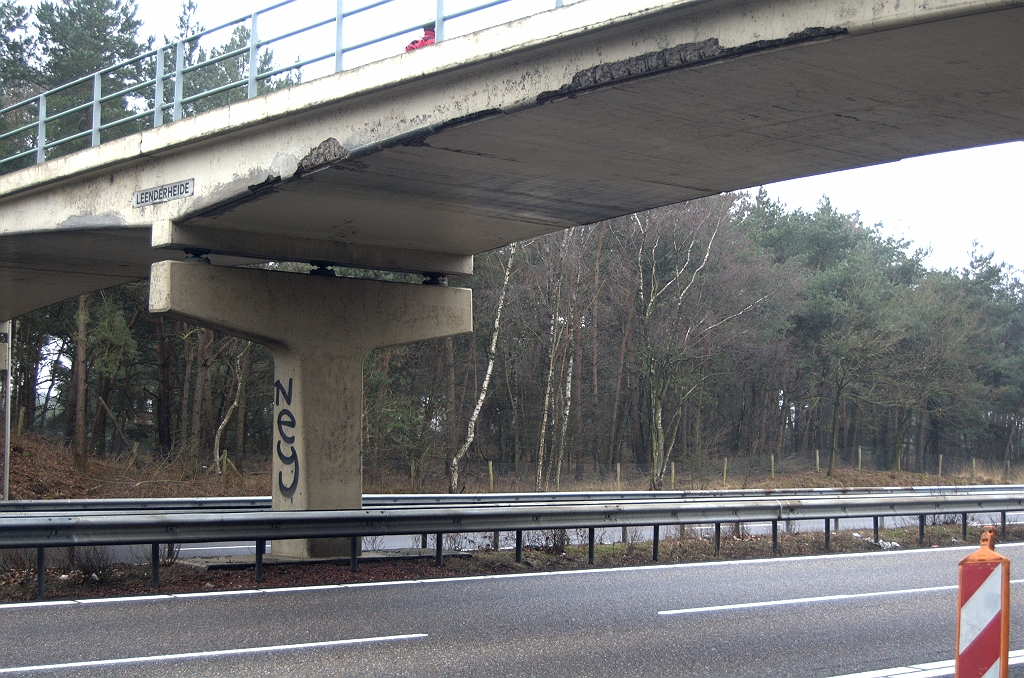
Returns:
(418,162)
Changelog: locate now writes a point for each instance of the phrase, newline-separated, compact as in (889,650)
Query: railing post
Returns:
(875,521)
(154,565)
(254,56)
(179,85)
(1003,515)
(41,131)
(158,93)
(439,22)
(828,534)
(97,112)
(439,553)
(718,538)
(920,530)
(519,546)
(41,573)
(963,522)
(775,537)
(339,50)
(590,545)
(654,544)
(261,546)
(353,553)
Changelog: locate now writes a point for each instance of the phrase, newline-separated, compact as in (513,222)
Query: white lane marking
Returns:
(802,601)
(930,670)
(815,599)
(517,575)
(210,654)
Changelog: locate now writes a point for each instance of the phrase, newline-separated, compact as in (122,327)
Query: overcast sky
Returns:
(944,201)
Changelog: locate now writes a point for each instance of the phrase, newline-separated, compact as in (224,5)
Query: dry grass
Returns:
(41,469)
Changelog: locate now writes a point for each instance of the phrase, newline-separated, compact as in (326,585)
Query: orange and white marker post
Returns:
(983,612)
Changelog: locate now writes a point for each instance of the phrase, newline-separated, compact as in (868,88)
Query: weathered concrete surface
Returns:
(319,330)
(583,113)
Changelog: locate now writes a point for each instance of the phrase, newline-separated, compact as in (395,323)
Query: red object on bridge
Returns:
(427,39)
(983,613)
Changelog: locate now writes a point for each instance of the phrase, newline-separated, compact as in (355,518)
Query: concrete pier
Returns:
(319,330)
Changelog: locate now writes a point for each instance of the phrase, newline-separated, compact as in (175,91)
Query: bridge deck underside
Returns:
(804,109)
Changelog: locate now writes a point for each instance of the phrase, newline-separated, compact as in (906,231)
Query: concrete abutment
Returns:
(319,330)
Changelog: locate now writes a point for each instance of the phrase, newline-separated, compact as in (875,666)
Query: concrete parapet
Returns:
(319,330)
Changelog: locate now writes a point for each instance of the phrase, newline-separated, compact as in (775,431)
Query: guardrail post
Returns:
(828,534)
(920,530)
(590,545)
(179,84)
(254,56)
(261,546)
(775,537)
(519,546)
(158,92)
(154,565)
(963,523)
(353,551)
(41,131)
(718,538)
(1003,516)
(439,22)
(97,108)
(438,554)
(41,573)
(339,50)
(654,543)
(875,525)
(423,540)
(496,540)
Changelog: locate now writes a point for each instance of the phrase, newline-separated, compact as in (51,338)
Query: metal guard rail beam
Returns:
(57,531)
(380,500)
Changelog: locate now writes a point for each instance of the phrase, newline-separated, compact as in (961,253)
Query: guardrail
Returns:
(382,500)
(145,100)
(41,532)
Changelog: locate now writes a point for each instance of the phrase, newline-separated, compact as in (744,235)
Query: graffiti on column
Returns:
(286,425)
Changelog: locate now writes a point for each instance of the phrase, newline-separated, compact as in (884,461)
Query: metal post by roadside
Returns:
(775,537)
(920,530)
(41,573)
(718,538)
(154,565)
(828,534)
(438,553)
(963,524)
(875,524)
(353,554)
(654,543)
(519,546)
(261,546)
(590,547)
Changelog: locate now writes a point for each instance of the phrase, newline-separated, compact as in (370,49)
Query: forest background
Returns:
(665,341)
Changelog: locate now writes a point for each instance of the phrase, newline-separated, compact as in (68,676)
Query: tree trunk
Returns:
(163,389)
(453,472)
(81,342)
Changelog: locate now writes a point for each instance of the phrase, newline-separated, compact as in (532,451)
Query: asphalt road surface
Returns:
(888,613)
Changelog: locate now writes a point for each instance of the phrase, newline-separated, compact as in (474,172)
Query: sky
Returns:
(944,202)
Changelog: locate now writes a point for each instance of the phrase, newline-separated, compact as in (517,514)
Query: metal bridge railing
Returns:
(146,101)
